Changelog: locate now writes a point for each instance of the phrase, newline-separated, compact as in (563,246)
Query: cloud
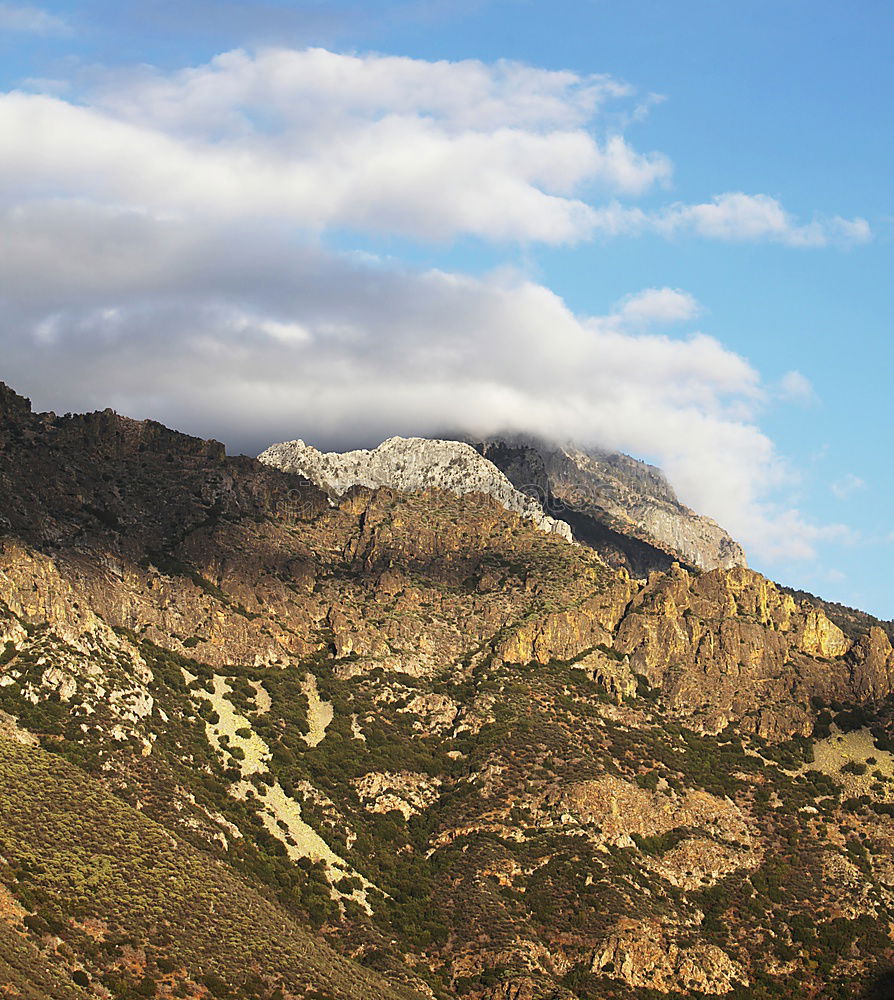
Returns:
(657,305)
(738,217)
(847,486)
(797,387)
(237,332)
(30,20)
(733,217)
(428,150)
(225,94)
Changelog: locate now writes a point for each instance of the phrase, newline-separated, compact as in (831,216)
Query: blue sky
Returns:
(224,246)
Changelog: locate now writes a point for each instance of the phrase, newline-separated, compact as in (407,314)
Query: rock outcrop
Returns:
(410,464)
(641,954)
(733,646)
(614,501)
(219,569)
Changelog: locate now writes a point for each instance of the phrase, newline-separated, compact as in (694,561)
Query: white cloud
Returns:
(795,386)
(30,20)
(734,217)
(739,217)
(657,305)
(237,332)
(226,93)
(430,150)
(847,486)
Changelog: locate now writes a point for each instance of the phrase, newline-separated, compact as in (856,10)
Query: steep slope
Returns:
(127,905)
(624,508)
(471,757)
(409,464)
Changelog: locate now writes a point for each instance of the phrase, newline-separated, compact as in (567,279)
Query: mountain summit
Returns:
(623,508)
(410,464)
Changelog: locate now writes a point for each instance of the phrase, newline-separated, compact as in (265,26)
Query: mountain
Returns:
(410,464)
(624,508)
(262,740)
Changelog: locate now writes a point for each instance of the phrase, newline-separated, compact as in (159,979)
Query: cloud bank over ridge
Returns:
(162,250)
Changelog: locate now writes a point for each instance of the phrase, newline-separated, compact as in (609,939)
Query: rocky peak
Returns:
(412,465)
(12,405)
(613,502)
(103,432)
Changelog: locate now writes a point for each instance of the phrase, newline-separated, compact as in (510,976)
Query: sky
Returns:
(662,227)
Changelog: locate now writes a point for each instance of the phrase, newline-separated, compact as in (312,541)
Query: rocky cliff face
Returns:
(614,502)
(473,759)
(410,464)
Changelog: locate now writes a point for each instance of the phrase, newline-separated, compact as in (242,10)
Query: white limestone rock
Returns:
(625,494)
(412,465)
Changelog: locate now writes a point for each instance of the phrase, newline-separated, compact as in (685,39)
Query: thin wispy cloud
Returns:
(845,487)
(734,217)
(796,387)
(26,19)
(656,305)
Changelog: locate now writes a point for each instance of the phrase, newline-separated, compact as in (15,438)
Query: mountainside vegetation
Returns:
(257,742)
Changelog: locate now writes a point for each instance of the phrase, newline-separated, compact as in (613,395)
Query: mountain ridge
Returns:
(409,464)
(622,507)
